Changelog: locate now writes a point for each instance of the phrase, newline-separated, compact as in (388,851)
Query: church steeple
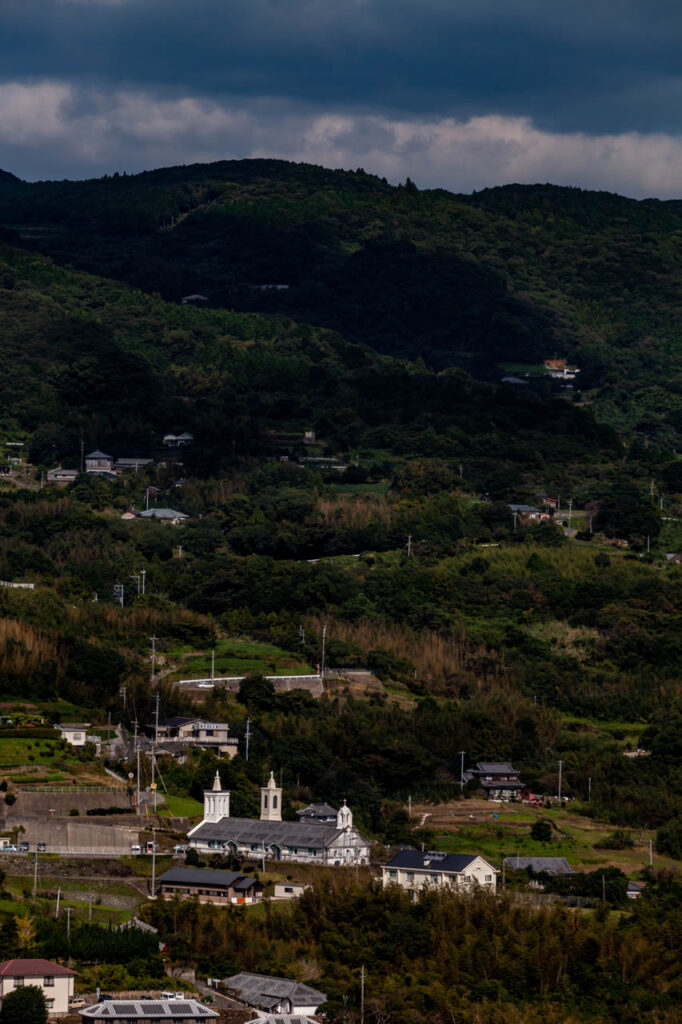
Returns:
(216,802)
(271,801)
(344,817)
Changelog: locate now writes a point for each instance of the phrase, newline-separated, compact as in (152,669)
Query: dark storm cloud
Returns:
(601,66)
(460,93)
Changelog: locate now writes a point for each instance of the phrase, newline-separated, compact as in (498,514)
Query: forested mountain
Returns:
(508,275)
(85,357)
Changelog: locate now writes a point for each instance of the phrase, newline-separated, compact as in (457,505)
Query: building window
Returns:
(50,1004)
(48,983)
(274,803)
(410,876)
(392,873)
(265,799)
(434,878)
(311,851)
(254,847)
(293,849)
(488,878)
(18,982)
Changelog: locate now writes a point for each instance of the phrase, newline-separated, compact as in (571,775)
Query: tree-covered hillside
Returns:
(85,357)
(510,275)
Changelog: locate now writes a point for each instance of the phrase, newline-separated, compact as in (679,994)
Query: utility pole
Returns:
(137,581)
(461,771)
(90,909)
(59,895)
(409,545)
(153,640)
(324,649)
(301,633)
(589,789)
(591,523)
(516,516)
(153,862)
(651,852)
(123,694)
(461,470)
(570,511)
(119,593)
(409,806)
(157,701)
(248,737)
(560,767)
(35,875)
(138,780)
(212,665)
(82,454)
(143,573)
(648,543)
(651,488)
(68,922)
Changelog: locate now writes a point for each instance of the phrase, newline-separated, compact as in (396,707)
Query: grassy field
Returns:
(235,658)
(469,827)
(181,807)
(17,752)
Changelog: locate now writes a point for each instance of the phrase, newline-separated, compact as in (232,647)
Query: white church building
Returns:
(310,842)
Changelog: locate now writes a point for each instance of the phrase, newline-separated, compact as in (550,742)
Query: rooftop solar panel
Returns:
(152,1009)
(116,1008)
(178,1007)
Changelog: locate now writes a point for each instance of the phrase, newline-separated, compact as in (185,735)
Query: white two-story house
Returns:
(414,870)
(54,981)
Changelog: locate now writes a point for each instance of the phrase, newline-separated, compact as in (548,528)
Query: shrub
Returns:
(669,838)
(541,831)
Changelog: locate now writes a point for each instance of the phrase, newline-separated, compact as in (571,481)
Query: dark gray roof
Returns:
(200,876)
(318,810)
(495,768)
(550,865)
(162,513)
(97,454)
(134,1009)
(314,835)
(262,990)
(523,508)
(432,860)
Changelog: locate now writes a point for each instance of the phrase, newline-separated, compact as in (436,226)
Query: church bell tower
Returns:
(271,801)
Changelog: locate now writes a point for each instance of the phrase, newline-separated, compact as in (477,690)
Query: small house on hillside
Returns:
(498,779)
(218,887)
(274,995)
(558,867)
(323,813)
(74,733)
(99,462)
(164,515)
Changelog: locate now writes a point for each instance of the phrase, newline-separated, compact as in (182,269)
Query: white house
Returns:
(75,733)
(54,981)
(415,870)
(270,837)
(289,890)
(268,995)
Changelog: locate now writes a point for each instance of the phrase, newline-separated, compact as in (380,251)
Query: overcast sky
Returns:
(453,93)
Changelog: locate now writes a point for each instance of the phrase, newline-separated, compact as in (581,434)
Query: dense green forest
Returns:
(353,462)
(514,274)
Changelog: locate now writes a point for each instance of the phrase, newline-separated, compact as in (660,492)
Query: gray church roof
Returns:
(264,991)
(252,830)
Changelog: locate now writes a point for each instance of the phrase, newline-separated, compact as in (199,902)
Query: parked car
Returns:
(41,847)
(76,1003)
(9,849)
(136,848)
(181,848)
(23,847)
